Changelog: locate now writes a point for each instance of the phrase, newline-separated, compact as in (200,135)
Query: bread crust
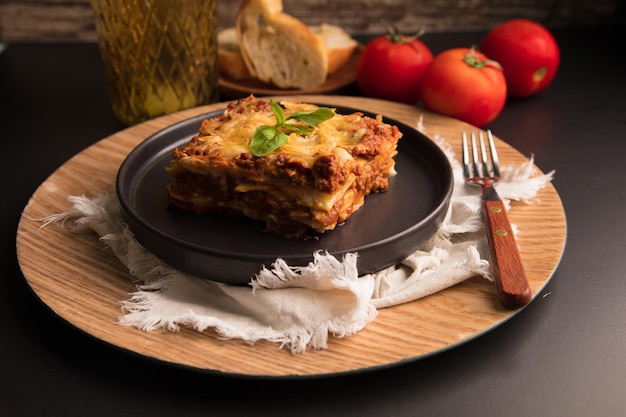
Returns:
(339,45)
(279,49)
(229,59)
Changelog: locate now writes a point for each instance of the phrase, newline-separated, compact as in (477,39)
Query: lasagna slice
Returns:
(312,183)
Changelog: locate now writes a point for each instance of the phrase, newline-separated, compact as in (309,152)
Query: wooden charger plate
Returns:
(84,283)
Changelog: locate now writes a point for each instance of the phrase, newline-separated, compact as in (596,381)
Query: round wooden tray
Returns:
(84,283)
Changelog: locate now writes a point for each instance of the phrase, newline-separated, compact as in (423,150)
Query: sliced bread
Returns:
(279,49)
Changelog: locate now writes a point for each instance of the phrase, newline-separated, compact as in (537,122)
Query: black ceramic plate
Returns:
(387,228)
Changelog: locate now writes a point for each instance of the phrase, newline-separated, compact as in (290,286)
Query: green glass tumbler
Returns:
(159,56)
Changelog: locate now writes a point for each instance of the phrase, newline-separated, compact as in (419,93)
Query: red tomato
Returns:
(391,67)
(528,53)
(463,83)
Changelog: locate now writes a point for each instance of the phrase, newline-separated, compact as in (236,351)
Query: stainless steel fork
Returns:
(509,274)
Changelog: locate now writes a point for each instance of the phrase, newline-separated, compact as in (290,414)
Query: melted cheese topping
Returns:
(231,136)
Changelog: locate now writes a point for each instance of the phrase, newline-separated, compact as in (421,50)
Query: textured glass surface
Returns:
(159,55)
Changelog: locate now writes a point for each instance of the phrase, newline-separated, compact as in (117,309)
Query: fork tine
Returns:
(494,156)
(466,163)
(476,162)
(483,155)
(477,173)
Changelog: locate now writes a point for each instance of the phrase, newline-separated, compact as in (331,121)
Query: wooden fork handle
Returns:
(509,274)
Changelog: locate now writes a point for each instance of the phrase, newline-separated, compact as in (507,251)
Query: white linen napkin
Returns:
(299,307)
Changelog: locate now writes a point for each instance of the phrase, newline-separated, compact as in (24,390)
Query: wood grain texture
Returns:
(82,281)
(70,21)
(508,268)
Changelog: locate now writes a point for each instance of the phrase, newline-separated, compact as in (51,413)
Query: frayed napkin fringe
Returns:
(323,265)
(139,313)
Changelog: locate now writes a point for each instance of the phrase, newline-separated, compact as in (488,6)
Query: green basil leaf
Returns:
(267,139)
(278,112)
(313,117)
(302,130)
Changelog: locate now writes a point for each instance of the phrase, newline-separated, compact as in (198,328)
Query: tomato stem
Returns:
(474,61)
(394,35)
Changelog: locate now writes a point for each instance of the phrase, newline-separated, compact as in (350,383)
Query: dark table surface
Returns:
(564,355)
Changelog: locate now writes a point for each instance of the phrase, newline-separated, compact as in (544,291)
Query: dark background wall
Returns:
(71,20)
